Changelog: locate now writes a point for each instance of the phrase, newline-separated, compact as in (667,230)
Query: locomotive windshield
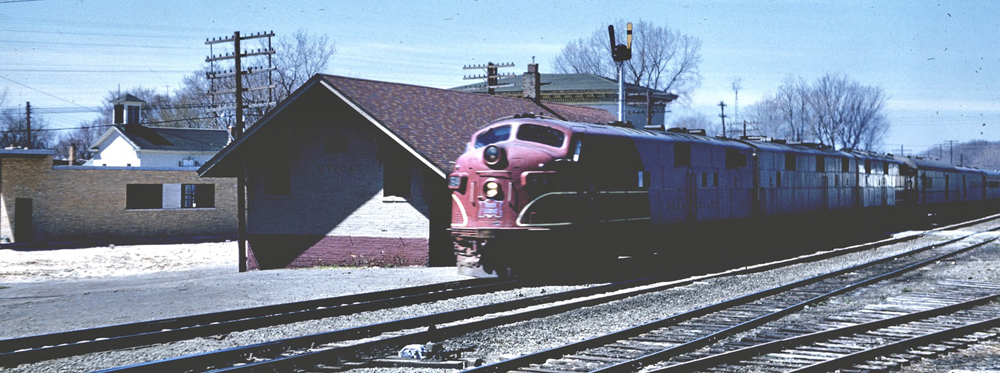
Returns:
(493,135)
(541,135)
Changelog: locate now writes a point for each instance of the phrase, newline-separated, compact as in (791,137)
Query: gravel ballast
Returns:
(53,302)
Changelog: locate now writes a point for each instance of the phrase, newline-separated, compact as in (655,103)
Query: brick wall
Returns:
(87,204)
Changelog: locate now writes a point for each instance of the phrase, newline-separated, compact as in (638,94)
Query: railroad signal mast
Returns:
(621,53)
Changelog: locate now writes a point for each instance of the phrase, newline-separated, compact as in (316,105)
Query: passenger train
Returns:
(529,186)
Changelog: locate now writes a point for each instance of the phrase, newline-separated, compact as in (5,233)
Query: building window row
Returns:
(169,196)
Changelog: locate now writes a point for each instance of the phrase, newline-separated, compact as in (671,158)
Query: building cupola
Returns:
(127,109)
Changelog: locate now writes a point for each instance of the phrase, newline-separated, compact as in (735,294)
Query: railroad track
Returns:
(36,348)
(50,346)
(633,349)
(878,338)
(358,346)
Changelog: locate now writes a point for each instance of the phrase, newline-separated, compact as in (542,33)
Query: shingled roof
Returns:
(433,124)
(166,138)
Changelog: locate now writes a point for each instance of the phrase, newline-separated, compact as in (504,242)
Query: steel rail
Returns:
(805,339)
(806,258)
(341,355)
(635,364)
(557,352)
(50,346)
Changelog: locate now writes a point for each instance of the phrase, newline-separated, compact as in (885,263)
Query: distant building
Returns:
(130,144)
(353,172)
(586,90)
(143,186)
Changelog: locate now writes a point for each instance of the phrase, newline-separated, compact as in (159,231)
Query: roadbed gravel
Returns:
(99,292)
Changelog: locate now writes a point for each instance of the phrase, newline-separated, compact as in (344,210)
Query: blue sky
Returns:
(939,62)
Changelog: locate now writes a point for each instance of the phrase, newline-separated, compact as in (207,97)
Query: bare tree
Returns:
(81,138)
(662,58)
(833,110)
(14,131)
(299,58)
(698,121)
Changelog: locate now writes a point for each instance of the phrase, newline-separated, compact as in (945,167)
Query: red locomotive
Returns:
(531,189)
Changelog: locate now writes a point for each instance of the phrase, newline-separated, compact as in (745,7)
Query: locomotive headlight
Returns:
(491,189)
(493,155)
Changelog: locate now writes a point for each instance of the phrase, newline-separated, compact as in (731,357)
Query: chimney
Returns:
(532,83)
(72,154)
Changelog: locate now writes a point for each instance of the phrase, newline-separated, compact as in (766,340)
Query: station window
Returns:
(143,196)
(790,162)
(682,155)
(277,177)
(197,196)
(396,178)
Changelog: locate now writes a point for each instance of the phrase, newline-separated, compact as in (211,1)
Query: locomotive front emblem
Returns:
(490,209)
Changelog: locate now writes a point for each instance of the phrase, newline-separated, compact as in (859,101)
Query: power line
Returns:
(40,91)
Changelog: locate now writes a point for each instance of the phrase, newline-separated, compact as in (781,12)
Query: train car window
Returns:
(682,155)
(778,179)
(715,179)
(704,180)
(885,168)
(790,162)
(868,166)
(541,135)
(820,163)
(493,135)
(993,184)
(735,159)
(577,147)
(845,165)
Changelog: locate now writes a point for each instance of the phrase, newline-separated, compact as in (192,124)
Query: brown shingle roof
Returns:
(437,122)
(433,123)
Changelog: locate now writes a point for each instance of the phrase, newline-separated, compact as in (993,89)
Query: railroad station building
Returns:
(350,171)
(142,187)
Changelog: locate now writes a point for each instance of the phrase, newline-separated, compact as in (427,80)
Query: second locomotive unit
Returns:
(531,189)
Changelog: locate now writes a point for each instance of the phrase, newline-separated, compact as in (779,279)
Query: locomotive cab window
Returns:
(493,135)
(541,134)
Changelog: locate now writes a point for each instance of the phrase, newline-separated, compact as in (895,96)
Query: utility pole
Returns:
(722,105)
(238,73)
(492,75)
(27,113)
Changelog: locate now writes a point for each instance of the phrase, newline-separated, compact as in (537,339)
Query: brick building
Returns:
(352,172)
(142,186)
(42,204)
(644,106)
